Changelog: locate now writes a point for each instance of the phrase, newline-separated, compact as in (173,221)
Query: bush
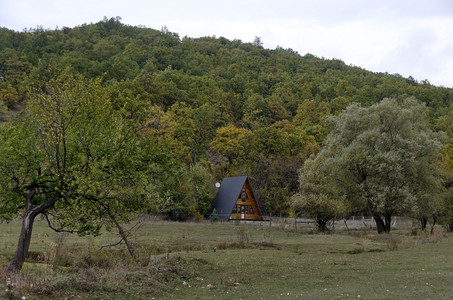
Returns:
(214,216)
(243,237)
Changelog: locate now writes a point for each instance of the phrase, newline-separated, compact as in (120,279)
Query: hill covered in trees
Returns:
(209,107)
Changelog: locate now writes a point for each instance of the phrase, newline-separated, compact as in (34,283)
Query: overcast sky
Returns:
(408,37)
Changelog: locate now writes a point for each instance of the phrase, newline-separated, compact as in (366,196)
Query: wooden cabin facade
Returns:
(235,200)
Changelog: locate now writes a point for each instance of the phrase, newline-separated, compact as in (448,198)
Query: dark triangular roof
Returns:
(228,194)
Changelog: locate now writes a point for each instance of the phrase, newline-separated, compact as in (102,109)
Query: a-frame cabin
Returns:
(235,199)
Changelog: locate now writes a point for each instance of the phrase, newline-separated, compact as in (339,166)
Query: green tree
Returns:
(4,113)
(232,142)
(71,158)
(446,217)
(275,181)
(256,111)
(8,95)
(267,142)
(379,158)
(319,207)
(316,198)
(195,192)
(311,116)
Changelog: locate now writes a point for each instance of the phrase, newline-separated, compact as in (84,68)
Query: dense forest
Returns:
(208,107)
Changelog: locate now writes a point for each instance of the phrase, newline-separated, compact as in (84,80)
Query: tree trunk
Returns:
(346,224)
(450,227)
(322,225)
(24,242)
(388,223)
(27,228)
(121,232)
(379,223)
(126,241)
(382,225)
(423,223)
(434,224)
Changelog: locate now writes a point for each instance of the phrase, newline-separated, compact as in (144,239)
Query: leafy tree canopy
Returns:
(383,159)
(71,158)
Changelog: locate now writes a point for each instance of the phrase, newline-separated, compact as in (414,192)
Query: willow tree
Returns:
(380,158)
(71,158)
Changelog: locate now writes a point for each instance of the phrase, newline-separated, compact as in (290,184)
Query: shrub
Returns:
(243,237)
(214,216)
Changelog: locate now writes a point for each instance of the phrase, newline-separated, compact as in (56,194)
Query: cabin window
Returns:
(243,195)
(242,208)
(246,209)
(251,210)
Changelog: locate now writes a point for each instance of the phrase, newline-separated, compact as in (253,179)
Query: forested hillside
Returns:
(208,107)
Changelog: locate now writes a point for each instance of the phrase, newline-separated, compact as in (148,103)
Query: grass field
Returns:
(232,261)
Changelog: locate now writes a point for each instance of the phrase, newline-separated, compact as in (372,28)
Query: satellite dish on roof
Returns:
(217,184)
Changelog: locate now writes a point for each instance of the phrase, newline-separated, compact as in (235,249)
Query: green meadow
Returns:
(207,260)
